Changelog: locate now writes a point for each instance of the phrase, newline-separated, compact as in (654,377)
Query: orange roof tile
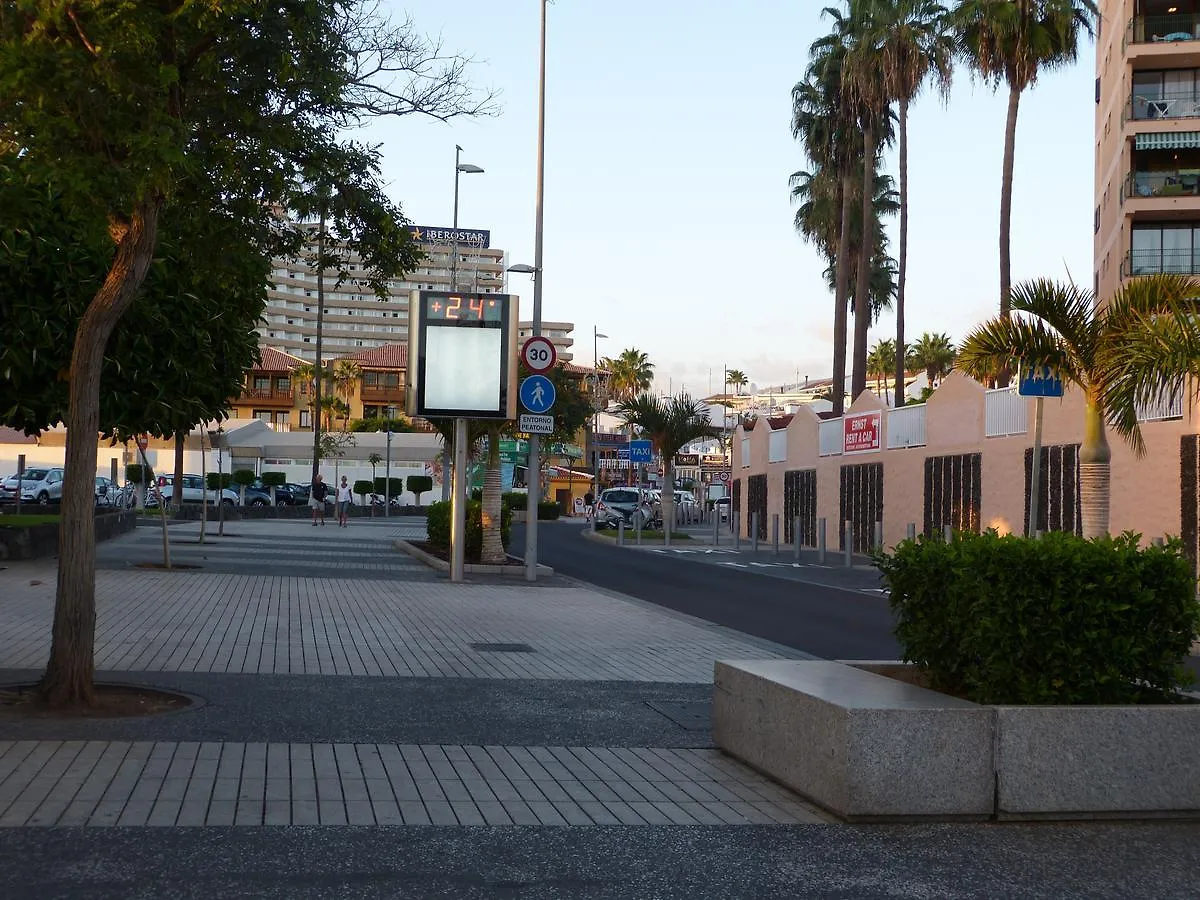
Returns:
(389,356)
(274,360)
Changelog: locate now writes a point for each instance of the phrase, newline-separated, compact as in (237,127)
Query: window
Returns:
(305,418)
(370,412)
(283,384)
(262,383)
(1164,248)
(263,415)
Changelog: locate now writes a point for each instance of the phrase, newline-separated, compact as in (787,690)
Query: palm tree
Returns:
(346,373)
(629,374)
(737,378)
(880,363)
(1012,42)
(304,378)
(670,424)
(917,46)
(935,354)
(1141,346)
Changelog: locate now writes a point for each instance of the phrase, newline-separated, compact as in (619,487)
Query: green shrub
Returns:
(548,511)
(138,473)
(274,479)
(477,494)
(438,527)
(215,480)
(1058,620)
(363,487)
(382,489)
(244,477)
(420,484)
(515,500)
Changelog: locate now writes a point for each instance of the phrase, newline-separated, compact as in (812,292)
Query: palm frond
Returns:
(1001,343)
(1066,308)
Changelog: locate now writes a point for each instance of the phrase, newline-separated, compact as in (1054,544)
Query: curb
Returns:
(469,568)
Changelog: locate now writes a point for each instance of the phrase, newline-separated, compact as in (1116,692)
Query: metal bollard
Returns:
(948,533)
(911,531)
(878,536)
(821,541)
(775,532)
(620,532)
(753,532)
(716,531)
(737,530)
(848,542)
(796,537)
(637,529)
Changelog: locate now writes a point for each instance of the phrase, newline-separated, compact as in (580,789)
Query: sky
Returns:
(668,219)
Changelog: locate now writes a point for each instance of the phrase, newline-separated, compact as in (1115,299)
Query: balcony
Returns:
(1141,185)
(1157,262)
(1168,28)
(1163,105)
(375,394)
(266,397)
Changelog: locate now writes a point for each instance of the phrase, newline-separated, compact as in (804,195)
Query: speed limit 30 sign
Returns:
(538,354)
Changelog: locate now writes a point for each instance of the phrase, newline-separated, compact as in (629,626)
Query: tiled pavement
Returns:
(168,783)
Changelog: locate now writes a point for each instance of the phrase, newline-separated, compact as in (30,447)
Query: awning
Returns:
(1167,140)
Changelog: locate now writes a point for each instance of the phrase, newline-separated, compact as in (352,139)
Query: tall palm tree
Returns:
(1012,42)
(935,354)
(917,47)
(670,424)
(880,363)
(1139,347)
(304,379)
(737,378)
(346,373)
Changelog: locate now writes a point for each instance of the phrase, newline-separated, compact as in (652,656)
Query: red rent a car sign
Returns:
(861,432)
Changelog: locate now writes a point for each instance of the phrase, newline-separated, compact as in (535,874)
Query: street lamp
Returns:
(596,335)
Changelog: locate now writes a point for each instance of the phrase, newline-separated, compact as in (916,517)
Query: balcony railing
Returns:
(265,395)
(1163,29)
(906,427)
(831,437)
(1163,407)
(1005,413)
(1160,184)
(1157,262)
(1164,105)
(381,394)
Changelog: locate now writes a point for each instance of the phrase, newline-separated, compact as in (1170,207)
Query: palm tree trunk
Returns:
(1006,187)
(492,551)
(841,290)
(902,262)
(862,289)
(1094,473)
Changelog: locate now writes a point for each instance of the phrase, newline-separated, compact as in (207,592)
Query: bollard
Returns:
(948,533)
(911,531)
(775,533)
(878,536)
(620,532)
(821,541)
(754,532)
(716,531)
(736,526)
(848,542)
(796,537)
(637,528)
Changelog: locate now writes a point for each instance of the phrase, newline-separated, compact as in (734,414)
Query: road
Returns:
(822,619)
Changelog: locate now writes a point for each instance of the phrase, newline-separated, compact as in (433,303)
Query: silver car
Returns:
(193,492)
(38,485)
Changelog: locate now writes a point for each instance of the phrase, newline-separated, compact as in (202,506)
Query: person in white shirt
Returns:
(344,499)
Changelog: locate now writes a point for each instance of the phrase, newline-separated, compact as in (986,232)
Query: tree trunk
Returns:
(1006,187)
(492,552)
(1094,473)
(862,289)
(902,262)
(177,477)
(71,670)
(841,289)
(317,368)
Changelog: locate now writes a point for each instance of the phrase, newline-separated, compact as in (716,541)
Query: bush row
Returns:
(438,526)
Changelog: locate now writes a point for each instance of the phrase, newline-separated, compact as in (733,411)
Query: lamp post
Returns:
(596,335)
(460,168)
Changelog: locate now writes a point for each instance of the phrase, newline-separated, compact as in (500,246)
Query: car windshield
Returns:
(620,497)
(35,474)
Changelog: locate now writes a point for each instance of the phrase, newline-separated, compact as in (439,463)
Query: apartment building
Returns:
(1147,215)
(355,319)
(561,334)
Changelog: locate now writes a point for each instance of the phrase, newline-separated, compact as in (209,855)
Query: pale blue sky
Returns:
(667,218)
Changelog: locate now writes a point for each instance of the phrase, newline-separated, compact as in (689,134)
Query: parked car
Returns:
(194,492)
(284,495)
(722,507)
(618,505)
(38,485)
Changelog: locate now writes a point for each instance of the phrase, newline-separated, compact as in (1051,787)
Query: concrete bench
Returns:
(864,746)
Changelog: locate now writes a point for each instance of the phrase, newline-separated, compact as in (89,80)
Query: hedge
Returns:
(420,484)
(244,477)
(1057,620)
(548,511)
(381,486)
(138,473)
(212,483)
(363,487)
(438,527)
(274,479)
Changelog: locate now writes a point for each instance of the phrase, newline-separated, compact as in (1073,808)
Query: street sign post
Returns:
(1039,382)
(537,393)
(539,354)
(529,423)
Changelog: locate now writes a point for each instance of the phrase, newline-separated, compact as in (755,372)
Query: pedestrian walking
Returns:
(344,499)
(316,499)
(588,499)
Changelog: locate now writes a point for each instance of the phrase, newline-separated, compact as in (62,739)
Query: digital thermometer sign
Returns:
(462,350)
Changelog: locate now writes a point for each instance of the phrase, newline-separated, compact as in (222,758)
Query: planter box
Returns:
(41,541)
(468,568)
(869,747)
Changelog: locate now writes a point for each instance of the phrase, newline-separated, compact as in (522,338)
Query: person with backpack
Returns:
(316,499)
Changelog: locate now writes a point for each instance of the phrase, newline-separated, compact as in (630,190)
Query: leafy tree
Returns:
(1012,42)
(670,425)
(935,354)
(1140,346)
(382,423)
(418,485)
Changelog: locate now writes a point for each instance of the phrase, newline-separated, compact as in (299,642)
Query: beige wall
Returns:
(1145,492)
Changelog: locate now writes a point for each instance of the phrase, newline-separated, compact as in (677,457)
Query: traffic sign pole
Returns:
(1035,479)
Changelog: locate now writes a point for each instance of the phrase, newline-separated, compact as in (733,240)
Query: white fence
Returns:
(745,453)
(777,446)
(1006,413)
(1163,407)
(906,427)
(832,437)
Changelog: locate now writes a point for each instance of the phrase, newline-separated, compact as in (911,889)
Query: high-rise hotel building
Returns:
(1147,216)
(355,319)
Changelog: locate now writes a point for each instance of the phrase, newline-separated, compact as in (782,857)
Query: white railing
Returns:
(745,453)
(906,427)
(777,446)
(1164,407)
(1006,413)
(831,437)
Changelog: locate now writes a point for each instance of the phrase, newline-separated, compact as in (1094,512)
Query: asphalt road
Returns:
(824,620)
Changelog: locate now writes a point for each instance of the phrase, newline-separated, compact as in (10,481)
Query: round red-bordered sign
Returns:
(538,354)
(143,441)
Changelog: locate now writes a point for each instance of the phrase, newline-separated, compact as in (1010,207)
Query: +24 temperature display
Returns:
(465,308)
